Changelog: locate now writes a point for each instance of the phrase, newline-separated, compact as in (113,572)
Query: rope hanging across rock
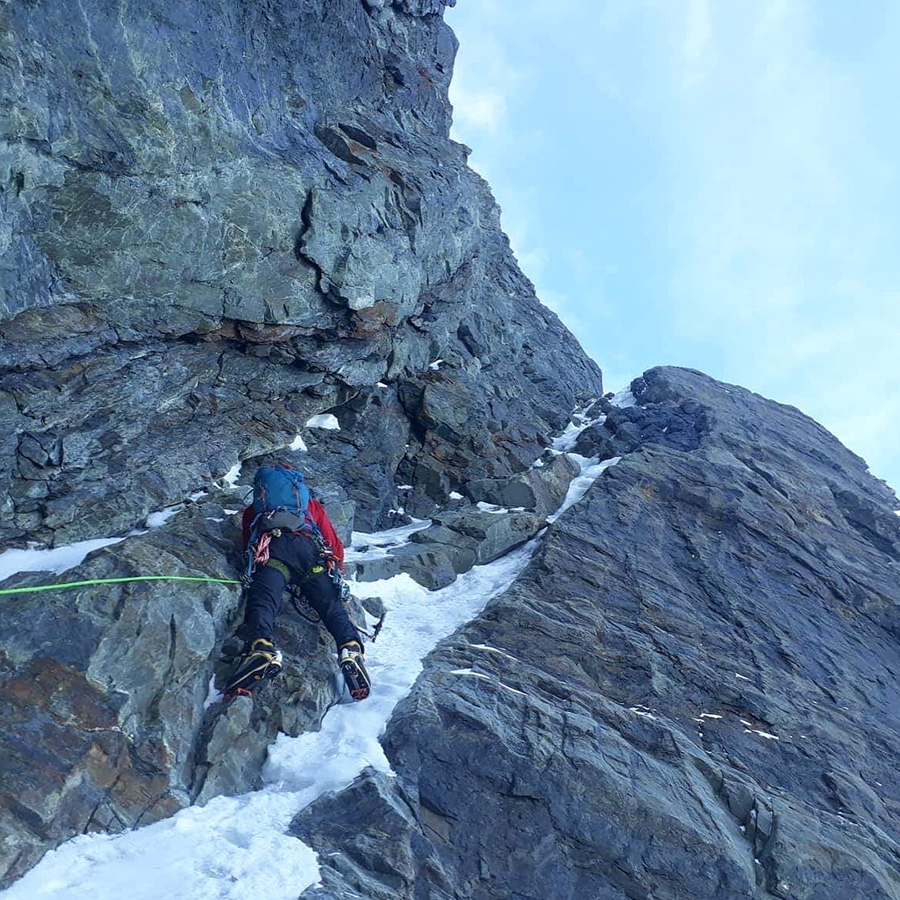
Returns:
(74,584)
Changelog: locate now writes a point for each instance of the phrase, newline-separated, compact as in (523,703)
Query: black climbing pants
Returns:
(300,554)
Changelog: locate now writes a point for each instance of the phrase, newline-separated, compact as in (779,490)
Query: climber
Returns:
(290,541)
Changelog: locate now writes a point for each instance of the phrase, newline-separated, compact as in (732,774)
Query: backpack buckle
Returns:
(281,519)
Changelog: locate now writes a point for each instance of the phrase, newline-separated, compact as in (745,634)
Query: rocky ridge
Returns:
(690,692)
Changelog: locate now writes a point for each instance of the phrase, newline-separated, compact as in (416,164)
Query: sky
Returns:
(709,185)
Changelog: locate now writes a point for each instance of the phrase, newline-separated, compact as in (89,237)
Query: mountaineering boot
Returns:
(354,670)
(261,661)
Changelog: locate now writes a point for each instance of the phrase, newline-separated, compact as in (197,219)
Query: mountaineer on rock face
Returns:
(290,541)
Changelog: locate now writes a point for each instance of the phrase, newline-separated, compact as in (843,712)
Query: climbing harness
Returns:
(258,548)
(74,584)
(259,553)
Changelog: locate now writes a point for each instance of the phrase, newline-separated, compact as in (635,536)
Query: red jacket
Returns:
(317,513)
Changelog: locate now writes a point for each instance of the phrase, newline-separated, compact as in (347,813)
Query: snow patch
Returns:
(624,398)
(158,519)
(763,734)
(590,471)
(566,441)
(488,648)
(364,546)
(212,695)
(56,561)
(298,444)
(471,672)
(512,690)
(230,478)
(491,507)
(326,420)
(481,675)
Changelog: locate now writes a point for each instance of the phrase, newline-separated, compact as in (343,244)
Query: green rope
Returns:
(73,584)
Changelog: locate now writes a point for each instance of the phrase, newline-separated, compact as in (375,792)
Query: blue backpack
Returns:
(280,501)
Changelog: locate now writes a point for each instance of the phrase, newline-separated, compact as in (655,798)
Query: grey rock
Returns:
(379,860)
(427,566)
(690,692)
(504,492)
(461,549)
(541,489)
(452,545)
(205,249)
(456,541)
(374,606)
(363,456)
(235,752)
(681,427)
(361,262)
(377,568)
(494,533)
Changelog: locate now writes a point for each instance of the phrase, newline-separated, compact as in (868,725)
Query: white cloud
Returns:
(476,110)
(697,39)
(483,79)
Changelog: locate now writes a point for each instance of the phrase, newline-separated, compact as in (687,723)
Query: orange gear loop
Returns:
(261,549)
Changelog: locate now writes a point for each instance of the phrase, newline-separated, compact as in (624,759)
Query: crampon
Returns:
(354,671)
(260,663)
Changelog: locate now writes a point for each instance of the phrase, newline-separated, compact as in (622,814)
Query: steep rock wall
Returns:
(217,220)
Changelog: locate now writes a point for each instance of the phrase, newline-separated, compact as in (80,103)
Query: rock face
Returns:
(690,692)
(107,722)
(218,220)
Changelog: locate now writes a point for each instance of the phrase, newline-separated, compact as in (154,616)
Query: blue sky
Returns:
(705,184)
